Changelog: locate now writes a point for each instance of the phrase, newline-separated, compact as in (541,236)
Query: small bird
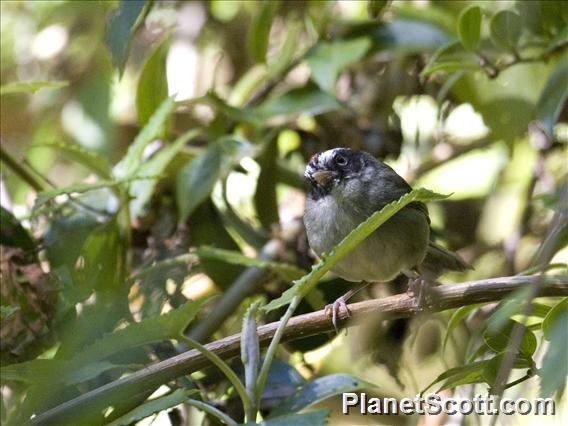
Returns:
(347,186)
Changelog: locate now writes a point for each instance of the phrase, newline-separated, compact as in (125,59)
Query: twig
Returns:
(546,252)
(301,326)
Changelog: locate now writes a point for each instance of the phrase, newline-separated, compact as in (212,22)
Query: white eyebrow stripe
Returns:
(326,156)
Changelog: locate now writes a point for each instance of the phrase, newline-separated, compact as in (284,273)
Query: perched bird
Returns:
(347,186)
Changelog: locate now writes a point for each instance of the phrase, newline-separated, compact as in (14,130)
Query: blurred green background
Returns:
(135,133)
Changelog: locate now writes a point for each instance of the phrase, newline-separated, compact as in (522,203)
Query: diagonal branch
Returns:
(399,306)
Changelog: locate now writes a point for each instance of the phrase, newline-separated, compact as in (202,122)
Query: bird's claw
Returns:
(418,289)
(333,310)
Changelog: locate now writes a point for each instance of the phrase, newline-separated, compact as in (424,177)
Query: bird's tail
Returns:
(439,260)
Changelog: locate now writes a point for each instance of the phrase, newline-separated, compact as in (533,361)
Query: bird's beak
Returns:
(322,177)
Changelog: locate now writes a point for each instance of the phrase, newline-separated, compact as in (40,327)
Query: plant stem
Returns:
(21,170)
(209,409)
(222,365)
(271,352)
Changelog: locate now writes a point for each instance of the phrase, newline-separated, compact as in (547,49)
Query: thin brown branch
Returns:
(301,326)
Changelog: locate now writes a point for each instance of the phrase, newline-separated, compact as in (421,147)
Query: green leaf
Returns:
(555,361)
(288,49)
(243,114)
(153,406)
(499,340)
(90,159)
(553,97)
(196,180)
(94,369)
(450,66)
(469,27)
(30,86)
(306,100)
(132,160)
(312,418)
(250,350)
(318,390)
(152,86)
(302,286)
(328,58)
(375,8)
(265,201)
(79,188)
(493,366)
(6,311)
(555,315)
(457,316)
(259,30)
(12,233)
(508,307)
(285,270)
(155,329)
(505,29)
(142,191)
(467,374)
(122,25)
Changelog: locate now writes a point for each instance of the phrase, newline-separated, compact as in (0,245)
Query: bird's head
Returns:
(338,171)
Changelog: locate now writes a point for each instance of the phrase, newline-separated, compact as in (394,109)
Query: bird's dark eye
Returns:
(340,160)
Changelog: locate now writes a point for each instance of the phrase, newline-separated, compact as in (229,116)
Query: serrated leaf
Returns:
(285,270)
(312,418)
(132,160)
(318,390)
(306,100)
(152,86)
(90,159)
(121,26)
(457,316)
(328,58)
(303,285)
(553,97)
(154,329)
(250,350)
(259,30)
(153,406)
(469,27)
(142,191)
(30,86)
(505,29)
(167,326)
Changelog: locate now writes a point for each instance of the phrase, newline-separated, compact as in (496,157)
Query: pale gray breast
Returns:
(399,244)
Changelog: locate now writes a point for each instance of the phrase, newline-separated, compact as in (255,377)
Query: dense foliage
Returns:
(152,194)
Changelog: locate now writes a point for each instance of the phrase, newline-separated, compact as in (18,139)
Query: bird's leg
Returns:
(417,288)
(333,309)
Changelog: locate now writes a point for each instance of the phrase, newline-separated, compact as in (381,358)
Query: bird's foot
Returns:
(418,289)
(333,310)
